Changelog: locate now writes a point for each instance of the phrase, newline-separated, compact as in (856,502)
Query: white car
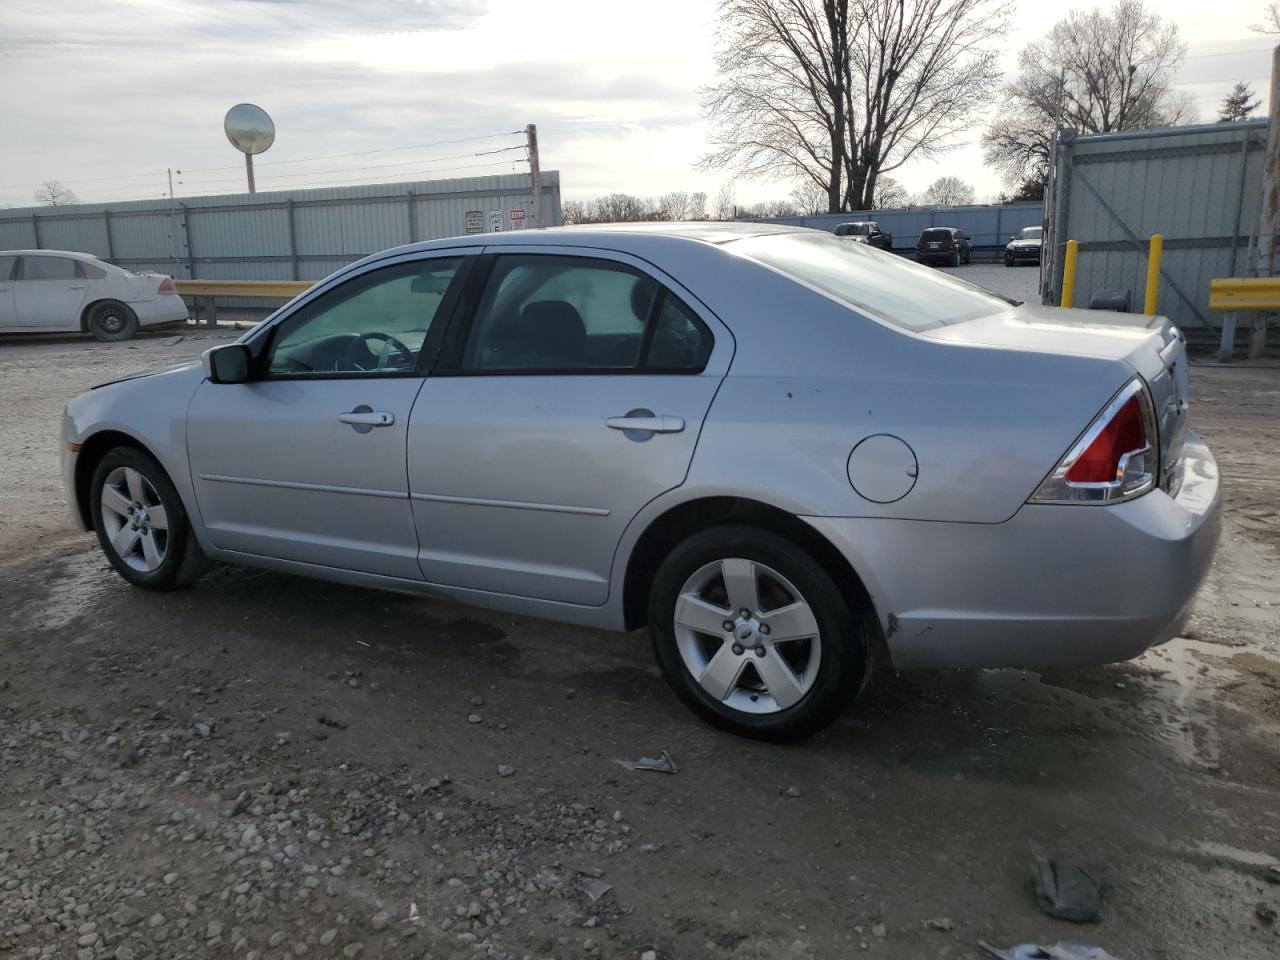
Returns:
(47,291)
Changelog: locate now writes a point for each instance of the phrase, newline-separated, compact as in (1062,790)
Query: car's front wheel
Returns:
(111,321)
(754,634)
(141,523)
(1008,260)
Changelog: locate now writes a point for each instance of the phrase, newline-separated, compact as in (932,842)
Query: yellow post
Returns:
(1069,274)
(1153,273)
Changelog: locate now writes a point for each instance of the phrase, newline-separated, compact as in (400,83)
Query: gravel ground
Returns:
(268,767)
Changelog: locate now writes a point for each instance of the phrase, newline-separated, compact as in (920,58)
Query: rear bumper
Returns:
(165,308)
(1056,584)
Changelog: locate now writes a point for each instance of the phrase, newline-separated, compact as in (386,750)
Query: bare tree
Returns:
(1096,71)
(890,193)
(575,211)
(1236,105)
(725,207)
(839,91)
(948,191)
(697,206)
(809,198)
(619,208)
(673,205)
(1270,19)
(55,194)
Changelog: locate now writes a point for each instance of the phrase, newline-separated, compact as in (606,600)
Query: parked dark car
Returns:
(865,231)
(1024,246)
(944,246)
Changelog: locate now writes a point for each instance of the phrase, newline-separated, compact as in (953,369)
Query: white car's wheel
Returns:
(112,321)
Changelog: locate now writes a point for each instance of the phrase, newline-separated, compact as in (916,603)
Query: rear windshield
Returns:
(886,286)
(936,235)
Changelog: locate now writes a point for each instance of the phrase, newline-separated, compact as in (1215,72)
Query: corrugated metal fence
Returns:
(989,225)
(287,235)
(1198,186)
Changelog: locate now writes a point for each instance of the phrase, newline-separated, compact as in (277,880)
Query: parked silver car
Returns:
(789,455)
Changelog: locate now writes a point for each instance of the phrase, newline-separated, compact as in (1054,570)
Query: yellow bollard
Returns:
(1153,273)
(1069,274)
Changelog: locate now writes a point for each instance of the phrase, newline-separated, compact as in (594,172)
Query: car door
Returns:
(570,395)
(8,319)
(306,461)
(48,292)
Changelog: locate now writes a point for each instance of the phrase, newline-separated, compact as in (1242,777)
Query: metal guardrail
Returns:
(204,292)
(1233,295)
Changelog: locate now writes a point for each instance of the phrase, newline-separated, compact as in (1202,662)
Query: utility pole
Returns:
(535,171)
(1270,224)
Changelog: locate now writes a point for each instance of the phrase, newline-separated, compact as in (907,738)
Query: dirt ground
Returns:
(267,767)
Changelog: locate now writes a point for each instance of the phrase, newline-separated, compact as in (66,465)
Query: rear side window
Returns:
(90,272)
(6,268)
(48,268)
(888,288)
(552,313)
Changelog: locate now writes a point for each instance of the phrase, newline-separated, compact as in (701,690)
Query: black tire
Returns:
(955,259)
(111,321)
(968,256)
(846,629)
(183,560)
(1008,260)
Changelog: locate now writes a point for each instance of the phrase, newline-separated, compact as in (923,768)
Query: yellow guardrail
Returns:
(1245,293)
(1234,295)
(288,289)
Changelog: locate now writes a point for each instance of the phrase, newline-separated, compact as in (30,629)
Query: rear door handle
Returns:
(78,286)
(367,418)
(646,423)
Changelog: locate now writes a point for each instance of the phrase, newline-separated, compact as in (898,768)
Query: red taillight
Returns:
(1100,463)
(166,286)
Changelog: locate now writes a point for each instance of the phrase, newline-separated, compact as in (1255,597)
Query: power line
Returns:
(335,156)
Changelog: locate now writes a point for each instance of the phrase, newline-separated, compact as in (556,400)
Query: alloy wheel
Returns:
(134,519)
(747,636)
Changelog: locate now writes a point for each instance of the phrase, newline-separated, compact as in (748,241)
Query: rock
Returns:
(380,920)
(940,923)
(505,770)
(792,791)
(276,939)
(204,729)
(353,950)
(473,718)
(170,879)
(650,955)
(477,701)
(879,930)
(328,936)
(214,929)
(1265,912)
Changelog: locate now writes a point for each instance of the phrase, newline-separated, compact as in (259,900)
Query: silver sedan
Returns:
(793,458)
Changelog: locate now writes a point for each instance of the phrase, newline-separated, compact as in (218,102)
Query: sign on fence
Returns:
(474,220)
(495,221)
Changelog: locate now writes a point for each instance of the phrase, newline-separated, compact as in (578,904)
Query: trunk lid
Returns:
(1153,346)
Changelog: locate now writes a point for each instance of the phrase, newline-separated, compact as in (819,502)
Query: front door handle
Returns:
(78,286)
(642,421)
(364,418)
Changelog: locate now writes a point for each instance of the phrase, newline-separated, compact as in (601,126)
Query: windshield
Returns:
(884,285)
(853,230)
(1029,233)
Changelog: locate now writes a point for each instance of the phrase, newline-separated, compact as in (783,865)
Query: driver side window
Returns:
(373,325)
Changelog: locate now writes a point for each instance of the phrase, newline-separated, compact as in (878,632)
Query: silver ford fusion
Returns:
(790,456)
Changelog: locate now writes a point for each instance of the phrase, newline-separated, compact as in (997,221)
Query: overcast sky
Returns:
(105,96)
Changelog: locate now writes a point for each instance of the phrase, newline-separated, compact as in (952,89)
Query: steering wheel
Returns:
(348,361)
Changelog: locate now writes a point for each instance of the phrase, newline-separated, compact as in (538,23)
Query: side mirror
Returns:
(228,363)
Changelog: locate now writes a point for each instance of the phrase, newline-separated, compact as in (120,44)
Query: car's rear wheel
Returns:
(955,259)
(141,523)
(112,321)
(755,636)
